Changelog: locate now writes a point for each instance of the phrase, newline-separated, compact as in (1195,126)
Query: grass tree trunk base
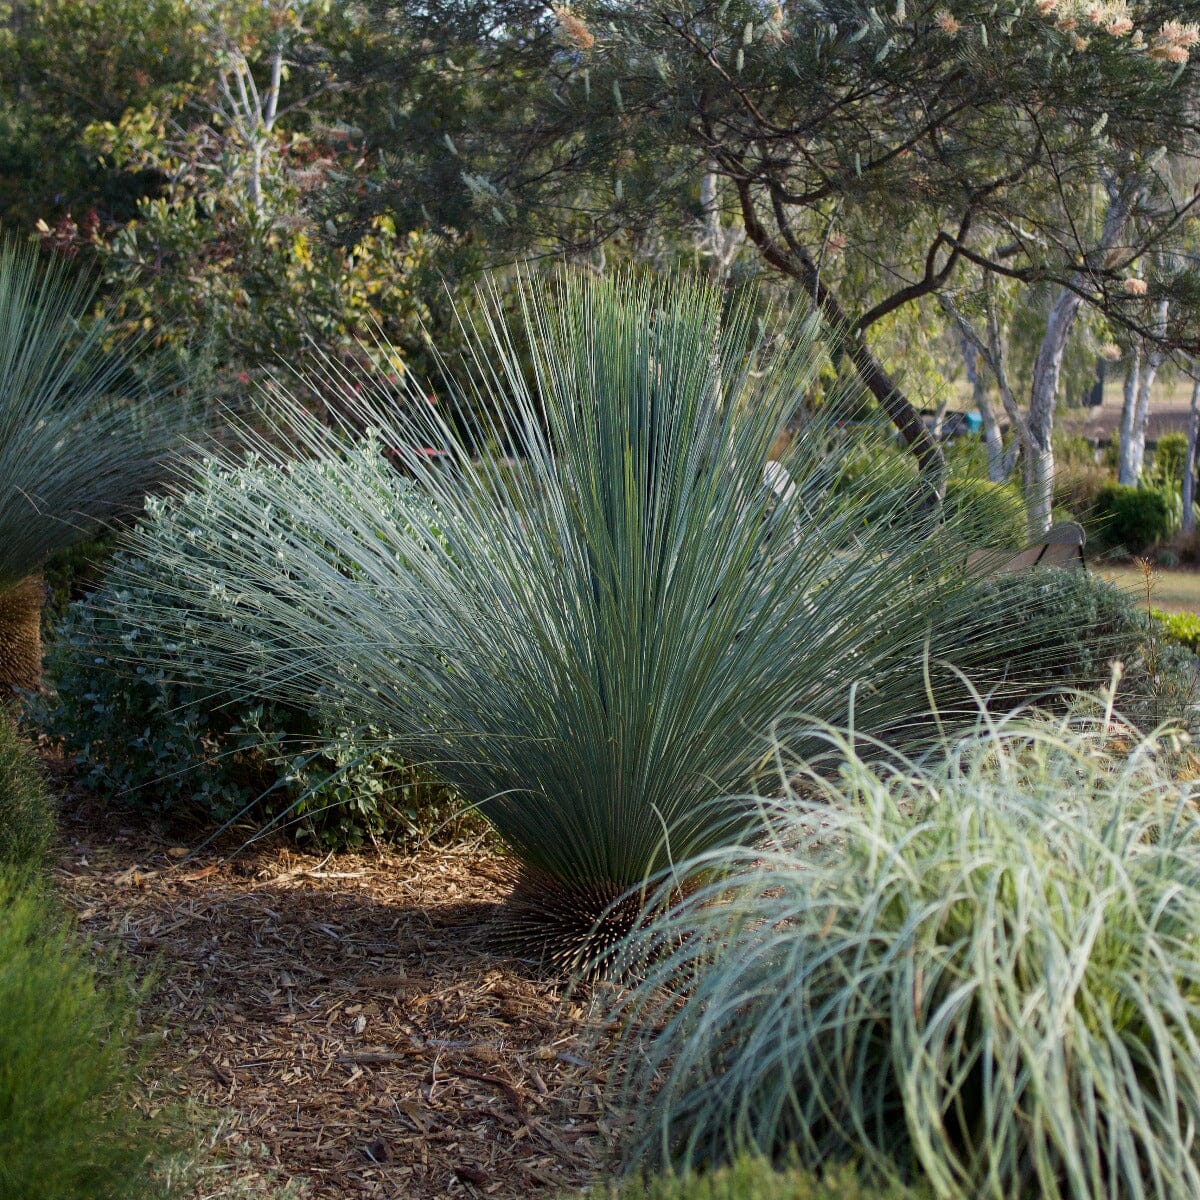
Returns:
(21,636)
(572,928)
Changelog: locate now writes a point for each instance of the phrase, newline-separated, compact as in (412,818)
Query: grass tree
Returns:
(597,631)
(76,447)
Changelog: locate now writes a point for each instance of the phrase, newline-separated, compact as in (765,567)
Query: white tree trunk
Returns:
(1125,469)
(1135,411)
(991,351)
(1047,369)
(1043,392)
(717,242)
(992,439)
(1189,463)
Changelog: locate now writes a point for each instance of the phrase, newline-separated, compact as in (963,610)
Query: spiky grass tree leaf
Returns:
(79,436)
(607,623)
(984,965)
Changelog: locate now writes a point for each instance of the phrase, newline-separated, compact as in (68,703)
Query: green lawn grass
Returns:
(1174,591)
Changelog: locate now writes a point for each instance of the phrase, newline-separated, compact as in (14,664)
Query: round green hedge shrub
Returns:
(160,742)
(984,513)
(68,1129)
(982,968)
(754,1179)
(1170,454)
(1131,517)
(27,812)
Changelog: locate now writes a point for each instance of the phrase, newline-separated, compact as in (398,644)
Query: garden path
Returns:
(346,1023)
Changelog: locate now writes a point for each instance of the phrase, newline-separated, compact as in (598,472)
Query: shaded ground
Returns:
(348,1020)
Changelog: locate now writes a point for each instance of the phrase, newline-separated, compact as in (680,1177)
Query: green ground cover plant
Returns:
(981,967)
(68,1129)
(27,811)
(753,1179)
(599,629)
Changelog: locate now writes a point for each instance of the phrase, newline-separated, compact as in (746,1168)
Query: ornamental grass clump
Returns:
(604,619)
(983,968)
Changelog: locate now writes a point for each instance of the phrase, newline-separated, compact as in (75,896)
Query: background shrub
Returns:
(155,737)
(982,513)
(74,573)
(1068,627)
(753,1179)
(985,513)
(1073,450)
(68,1130)
(1170,454)
(1181,628)
(26,808)
(1077,490)
(1131,517)
(982,965)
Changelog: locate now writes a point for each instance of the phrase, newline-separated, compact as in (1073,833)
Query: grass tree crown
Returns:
(597,629)
(79,437)
(77,442)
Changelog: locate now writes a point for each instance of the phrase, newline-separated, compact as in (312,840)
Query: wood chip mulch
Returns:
(349,1021)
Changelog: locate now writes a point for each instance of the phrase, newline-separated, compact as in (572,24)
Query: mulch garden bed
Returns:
(347,1023)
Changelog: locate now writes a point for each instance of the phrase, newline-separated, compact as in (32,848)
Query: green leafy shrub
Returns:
(135,707)
(26,809)
(984,513)
(980,512)
(1170,454)
(981,967)
(1182,628)
(1131,517)
(1073,450)
(1077,489)
(753,1179)
(594,641)
(68,1130)
(73,573)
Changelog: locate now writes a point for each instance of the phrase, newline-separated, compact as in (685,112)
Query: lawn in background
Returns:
(1174,590)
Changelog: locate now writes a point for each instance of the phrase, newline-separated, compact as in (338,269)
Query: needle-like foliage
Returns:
(985,967)
(597,633)
(77,440)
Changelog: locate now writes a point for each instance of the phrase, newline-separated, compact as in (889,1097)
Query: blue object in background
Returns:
(974,423)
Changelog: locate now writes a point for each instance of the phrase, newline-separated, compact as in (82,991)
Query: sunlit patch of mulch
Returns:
(349,1020)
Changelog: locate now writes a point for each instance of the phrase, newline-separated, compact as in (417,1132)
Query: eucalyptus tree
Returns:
(913,138)
(80,437)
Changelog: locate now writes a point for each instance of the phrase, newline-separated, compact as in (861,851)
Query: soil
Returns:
(345,1023)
